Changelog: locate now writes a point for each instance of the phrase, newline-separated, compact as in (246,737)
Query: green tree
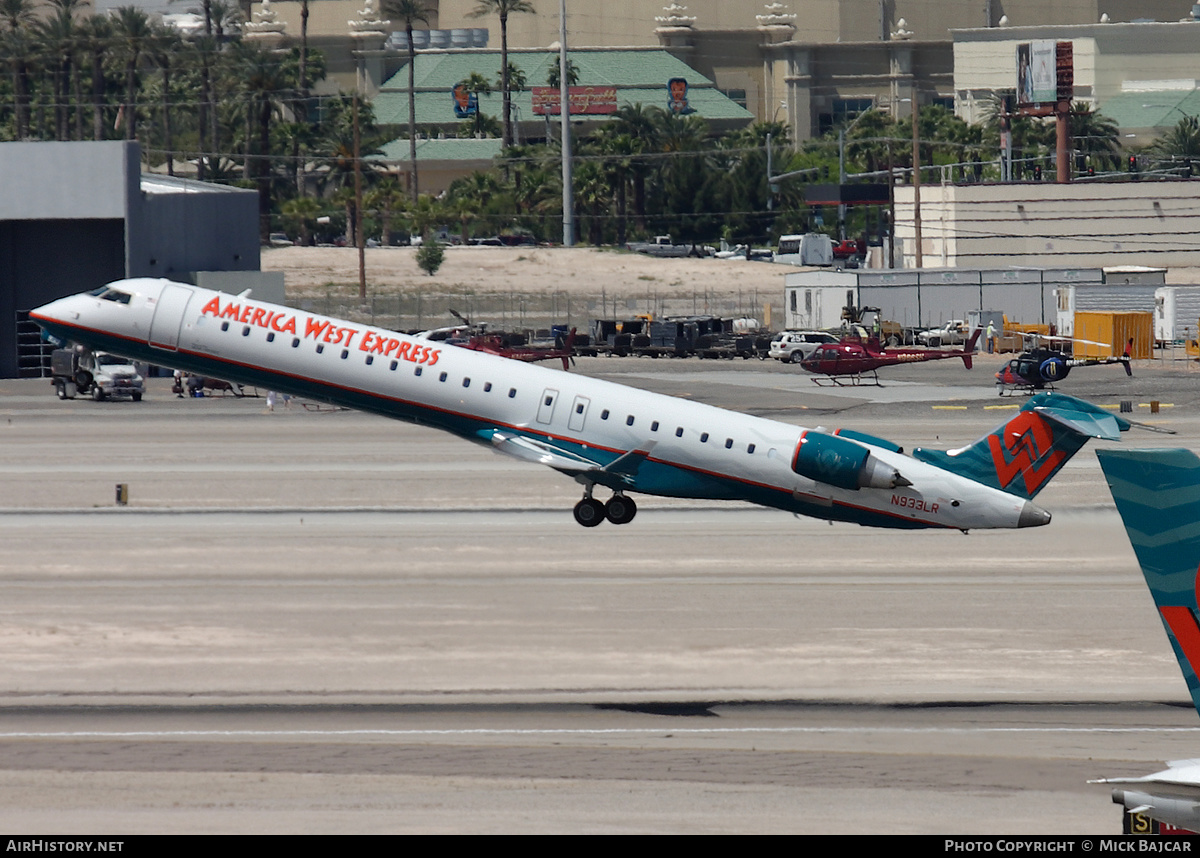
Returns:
(410,11)
(133,35)
(479,125)
(430,256)
(1180,144)
(503,8)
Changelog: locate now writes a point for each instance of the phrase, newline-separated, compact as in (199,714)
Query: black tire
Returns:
(97,393)
(137,396)
(60,387)
(620,509)
(589,512)
(796,356)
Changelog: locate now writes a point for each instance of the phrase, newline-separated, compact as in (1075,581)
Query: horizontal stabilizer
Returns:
(1088,424)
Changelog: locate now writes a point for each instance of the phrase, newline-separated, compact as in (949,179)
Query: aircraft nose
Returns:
(1032,516)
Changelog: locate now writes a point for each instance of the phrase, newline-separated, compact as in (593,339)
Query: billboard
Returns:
(584,100)
(1038,72)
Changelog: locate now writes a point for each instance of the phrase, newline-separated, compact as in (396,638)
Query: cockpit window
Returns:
(107,293)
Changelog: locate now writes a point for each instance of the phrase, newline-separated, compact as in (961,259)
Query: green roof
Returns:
(449,149)
(640,77)
(1161,109)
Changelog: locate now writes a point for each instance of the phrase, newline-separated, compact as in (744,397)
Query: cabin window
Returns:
(418,370)
(442,377)
(728,443)
(295,342)
(679,432)
(654,426)
(370,359)
(703,437)
(487,387)
(604,414)
(750,449)
(320,348)
(392,366)
(512,391)
(466,382)
(629,420)
(224,326)
(345,353)
(271,337)
(549,401)
(579,408)
(246,331)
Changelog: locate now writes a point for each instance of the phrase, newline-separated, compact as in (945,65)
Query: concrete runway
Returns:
(328,622)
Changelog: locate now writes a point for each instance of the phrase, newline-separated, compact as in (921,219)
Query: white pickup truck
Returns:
(79,372)
(950,334)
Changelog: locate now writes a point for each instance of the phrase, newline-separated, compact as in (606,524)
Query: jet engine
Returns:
(842,463)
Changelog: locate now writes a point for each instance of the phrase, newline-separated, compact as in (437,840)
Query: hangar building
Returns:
(74,216)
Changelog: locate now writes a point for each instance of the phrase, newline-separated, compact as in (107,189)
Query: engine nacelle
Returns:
(842,463)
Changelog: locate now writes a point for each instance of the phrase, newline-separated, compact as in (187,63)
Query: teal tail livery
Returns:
(1157,493)
(1020,456)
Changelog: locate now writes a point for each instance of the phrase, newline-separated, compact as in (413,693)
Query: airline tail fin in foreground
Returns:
(1157,493)
(1021,456)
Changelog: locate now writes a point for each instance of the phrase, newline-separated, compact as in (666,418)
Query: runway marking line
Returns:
(630,731)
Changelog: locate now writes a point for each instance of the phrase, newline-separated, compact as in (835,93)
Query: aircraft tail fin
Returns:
(968,350)
(1021,455)
(1157,493)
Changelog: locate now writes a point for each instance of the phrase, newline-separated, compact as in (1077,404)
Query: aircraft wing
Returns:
(619,473)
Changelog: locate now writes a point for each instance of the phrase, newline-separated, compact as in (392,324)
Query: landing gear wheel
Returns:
(589,512)
(620,509)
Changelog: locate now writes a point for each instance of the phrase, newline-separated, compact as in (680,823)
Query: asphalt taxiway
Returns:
(315,620)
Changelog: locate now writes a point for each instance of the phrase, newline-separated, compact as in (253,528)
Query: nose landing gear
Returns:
(589,512)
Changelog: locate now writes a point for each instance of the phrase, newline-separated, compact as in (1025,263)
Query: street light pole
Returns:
(916,181)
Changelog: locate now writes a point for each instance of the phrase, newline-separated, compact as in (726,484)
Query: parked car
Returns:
(952,333)
(795,346)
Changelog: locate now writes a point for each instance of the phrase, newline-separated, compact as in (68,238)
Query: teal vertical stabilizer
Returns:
(1157,493)
(1021,455)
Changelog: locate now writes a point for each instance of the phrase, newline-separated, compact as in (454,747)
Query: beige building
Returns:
(810,63)
(1039,224)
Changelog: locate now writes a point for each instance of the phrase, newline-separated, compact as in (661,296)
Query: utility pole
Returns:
(564,112)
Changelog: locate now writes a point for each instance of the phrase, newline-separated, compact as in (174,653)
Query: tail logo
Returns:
(1017,448)
(1182,622)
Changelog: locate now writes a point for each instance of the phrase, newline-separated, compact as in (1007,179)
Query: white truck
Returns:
(80,372)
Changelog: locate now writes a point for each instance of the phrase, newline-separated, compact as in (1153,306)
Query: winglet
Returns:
(1157,493)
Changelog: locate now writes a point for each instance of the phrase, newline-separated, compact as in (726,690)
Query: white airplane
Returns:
(599,433)
(1157,493)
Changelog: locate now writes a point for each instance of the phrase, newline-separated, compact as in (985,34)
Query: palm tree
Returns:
(1094,136)
(16,23)
(265,82)
(1181,143)
(503,8)
(302,213)
(553,76)
(478,85)
(410,11)
(163,51)
(133,36)
(96,34)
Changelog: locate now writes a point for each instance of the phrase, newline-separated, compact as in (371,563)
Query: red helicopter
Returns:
(849,362)
(498,344)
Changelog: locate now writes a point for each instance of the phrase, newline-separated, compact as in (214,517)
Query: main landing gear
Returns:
(619,510)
